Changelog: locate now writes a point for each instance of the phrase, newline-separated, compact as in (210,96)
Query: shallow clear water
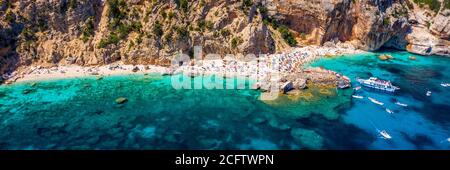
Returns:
(82,113)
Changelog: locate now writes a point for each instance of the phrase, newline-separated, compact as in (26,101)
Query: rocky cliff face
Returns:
(95,32)
(428,32)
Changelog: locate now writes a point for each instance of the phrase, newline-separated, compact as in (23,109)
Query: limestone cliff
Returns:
(429,30)
(95,32)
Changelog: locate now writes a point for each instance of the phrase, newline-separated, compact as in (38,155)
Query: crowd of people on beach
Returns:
(264,65)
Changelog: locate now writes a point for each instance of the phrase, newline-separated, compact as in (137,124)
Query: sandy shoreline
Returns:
(287,62)
(35,73)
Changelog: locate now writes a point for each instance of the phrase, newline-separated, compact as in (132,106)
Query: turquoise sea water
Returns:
(425,123)
(82,113)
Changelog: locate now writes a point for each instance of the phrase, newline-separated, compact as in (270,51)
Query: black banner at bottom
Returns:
(226,159)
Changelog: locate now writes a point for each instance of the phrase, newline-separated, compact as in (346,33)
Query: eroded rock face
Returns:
(49,32)
(441,24)
(367,24)
(421,41)
(428,34)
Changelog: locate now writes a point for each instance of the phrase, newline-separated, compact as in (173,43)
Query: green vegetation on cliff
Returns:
(287,35)
(157,29)
(434,5)
(120,26)
(88,30)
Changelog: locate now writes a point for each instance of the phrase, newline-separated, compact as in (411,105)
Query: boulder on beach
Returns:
(135,69)
(307,138)
(286,87)
(264,87)
(167,72)
(121,100)
(299,84)
(256,86)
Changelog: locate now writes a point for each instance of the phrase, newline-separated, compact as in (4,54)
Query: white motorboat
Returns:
(357,88)
(376,101)
(428,93)
(389,111)
(401,104)
(385,135)
(357,97)
(379,84)
(445,84)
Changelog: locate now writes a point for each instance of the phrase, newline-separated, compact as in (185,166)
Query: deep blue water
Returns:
(425,123)
(82,113)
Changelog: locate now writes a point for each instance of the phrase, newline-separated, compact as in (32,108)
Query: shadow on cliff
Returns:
(9,58)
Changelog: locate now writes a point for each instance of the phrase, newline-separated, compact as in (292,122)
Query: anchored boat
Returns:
(389,111)
(385,135)
(379,84)
(401,104)
(376,101)
(358,97)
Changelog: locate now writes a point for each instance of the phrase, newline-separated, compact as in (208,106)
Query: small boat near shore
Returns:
(378,84)
(428,93)
(445,84)
(401,104)
(357,97)
(357,88)
(376,101)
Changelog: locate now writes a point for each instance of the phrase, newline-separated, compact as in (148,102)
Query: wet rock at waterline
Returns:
(121,100)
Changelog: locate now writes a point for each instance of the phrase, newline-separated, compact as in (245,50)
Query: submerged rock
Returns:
(277,125)
(307,138)
(266,96)
(26,91)
(385,57)
(148,132)
(121,100)
(259,120)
